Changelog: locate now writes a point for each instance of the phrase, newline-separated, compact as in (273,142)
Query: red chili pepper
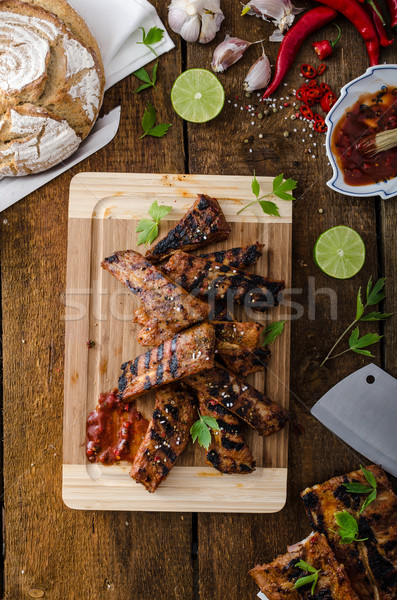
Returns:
(321,69)
(374,12)
(310,22)
(307,100)
(306,112)
(328,101)
(299,94)
(392,6)
(361,21)
(318,117)
(320,126)
(324,87)
(314,93)
(325,48)
(312,83)
(308,71)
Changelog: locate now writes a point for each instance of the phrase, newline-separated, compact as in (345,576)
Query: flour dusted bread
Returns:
(51,84)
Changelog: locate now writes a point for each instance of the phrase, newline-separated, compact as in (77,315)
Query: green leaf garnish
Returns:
(374,295)
(306,579)
(360,488)
(201,430)
(280,189)
(144,76)
(348,528)
(148,121)
(149,228)
(154,35)
(272,331)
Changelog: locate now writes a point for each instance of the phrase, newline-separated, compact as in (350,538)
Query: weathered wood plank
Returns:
(65,553)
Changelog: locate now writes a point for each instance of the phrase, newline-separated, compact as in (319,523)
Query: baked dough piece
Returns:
(51,84)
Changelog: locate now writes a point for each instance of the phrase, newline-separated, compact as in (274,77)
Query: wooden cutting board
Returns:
(104,209)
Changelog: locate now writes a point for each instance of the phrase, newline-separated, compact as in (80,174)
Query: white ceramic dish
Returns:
(371,81)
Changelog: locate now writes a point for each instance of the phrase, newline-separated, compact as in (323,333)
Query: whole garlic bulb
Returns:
(195,20)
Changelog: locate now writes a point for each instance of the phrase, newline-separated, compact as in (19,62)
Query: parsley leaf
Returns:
(144,76)
(348,528)
(374,295)
(312,578)
(280,189)
(201,430)
(154,35)
(361,488)
(148,121)
(149,228)
(272,331)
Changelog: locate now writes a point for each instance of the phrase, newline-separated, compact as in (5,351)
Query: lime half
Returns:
(340,252)
(197,95)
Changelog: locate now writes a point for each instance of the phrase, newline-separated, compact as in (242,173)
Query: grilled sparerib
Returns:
(239,346)
(212,280)
(186,353)
(372,564)
(228,452)
(164,303)
(263,415)
(203,224)
(277,579)
(167,435)
(240,257)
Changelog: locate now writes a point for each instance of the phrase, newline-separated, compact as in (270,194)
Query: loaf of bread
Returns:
(51,84)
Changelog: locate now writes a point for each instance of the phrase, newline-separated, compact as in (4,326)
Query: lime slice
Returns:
(197,96)
(340,252)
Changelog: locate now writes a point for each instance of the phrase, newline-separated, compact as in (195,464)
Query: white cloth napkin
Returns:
(115,24)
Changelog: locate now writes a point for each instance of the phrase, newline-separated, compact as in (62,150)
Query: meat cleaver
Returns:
(362,410)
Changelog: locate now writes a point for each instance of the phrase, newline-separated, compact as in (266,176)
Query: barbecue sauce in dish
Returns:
(371,114)
(114,431)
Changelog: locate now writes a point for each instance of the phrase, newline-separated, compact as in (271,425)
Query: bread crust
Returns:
(50,66)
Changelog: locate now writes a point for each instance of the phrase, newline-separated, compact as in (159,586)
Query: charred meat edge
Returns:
(203,224)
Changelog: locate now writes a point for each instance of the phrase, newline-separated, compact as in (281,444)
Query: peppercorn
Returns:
(275,110)
(286,134)
(245,141)
(260,115)
(260,135)
(266,112)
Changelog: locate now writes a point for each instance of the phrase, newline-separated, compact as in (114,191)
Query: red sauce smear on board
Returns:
(371,114)
(114,431)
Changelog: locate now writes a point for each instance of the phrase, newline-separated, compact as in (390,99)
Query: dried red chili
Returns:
(308,71)
(327,101)
(306,112)
(321,69)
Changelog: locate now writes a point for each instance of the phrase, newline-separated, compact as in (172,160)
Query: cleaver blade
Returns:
(362,411)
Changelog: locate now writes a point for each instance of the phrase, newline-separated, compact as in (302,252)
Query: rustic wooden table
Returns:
(148,556)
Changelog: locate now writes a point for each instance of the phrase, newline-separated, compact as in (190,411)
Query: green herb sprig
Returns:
(360,488)
(149,228)
(306,579)
(374,295)
(144,76)
(280,189)
(201,430)
(148,123)
(154,35)
(348,528)
(272,331)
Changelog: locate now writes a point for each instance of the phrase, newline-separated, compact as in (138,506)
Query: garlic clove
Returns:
(227,53)
(190,30)
(210,25)
(259,74)
(282,12)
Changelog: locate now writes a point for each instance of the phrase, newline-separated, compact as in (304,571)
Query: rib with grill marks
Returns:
(203,224)
(239,346)
(186,353)
(240,257)
(167,435)
(206,278)
(372,564)
(228,452)
(263,415)
(277,579)
(166,306)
